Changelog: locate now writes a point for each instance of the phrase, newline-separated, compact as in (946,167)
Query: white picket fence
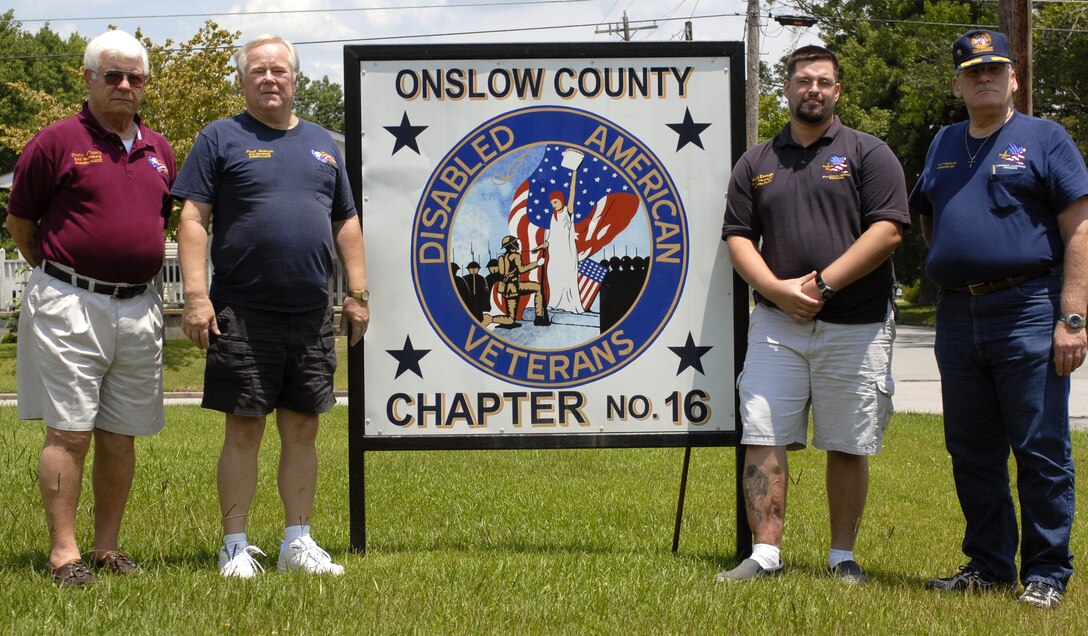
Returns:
(16,271)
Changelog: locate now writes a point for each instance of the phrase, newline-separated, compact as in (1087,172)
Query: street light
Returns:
(795,20)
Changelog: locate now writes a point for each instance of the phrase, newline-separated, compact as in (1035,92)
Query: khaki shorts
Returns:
(86,360)
(843,372)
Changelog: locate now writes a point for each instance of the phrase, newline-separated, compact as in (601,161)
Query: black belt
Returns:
(114,291)
(979,289)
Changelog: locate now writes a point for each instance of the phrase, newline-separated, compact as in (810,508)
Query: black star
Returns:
(690,355)
(406,134)
(688,131)
(408,358)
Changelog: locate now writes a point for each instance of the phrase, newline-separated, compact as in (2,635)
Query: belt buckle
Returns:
(978,289)
(116,291)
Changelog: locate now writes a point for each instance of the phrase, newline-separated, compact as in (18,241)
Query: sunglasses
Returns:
(113,78)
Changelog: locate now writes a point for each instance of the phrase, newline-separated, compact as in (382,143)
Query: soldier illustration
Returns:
(511,287)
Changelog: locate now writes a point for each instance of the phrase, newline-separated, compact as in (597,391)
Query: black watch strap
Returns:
(825,291)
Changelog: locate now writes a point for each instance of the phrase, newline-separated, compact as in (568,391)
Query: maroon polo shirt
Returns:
(809,205)
(100,210)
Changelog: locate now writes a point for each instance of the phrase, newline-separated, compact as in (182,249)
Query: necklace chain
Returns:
(972,155)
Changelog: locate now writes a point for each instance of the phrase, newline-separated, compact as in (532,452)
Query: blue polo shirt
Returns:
(275,195)
(808,205)
(100,210)
(999,218)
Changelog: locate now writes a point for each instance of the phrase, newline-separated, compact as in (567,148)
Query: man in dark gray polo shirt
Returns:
(811,221)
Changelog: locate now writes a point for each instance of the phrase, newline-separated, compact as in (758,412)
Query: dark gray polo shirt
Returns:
(809,205)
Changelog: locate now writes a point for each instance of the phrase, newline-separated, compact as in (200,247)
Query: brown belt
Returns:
(979,289)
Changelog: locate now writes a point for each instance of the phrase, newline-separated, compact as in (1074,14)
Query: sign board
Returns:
(542,229)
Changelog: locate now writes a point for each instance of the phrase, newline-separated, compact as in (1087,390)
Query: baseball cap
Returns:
(980,47)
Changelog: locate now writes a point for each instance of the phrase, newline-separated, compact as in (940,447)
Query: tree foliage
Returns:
(39,83)
(321,102)
(191,85)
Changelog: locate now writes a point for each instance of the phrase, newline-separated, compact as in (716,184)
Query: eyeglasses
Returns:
(805,83)
(113,78)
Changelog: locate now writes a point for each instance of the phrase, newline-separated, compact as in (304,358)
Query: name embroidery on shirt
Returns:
(260,153)
(87,157)
(762,179)
(836,168)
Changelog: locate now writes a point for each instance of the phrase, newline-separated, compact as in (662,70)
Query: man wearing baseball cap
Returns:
(1003,199)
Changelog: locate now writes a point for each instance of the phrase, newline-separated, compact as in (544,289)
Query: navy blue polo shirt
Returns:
(998,218)
(275,195)
(808,205)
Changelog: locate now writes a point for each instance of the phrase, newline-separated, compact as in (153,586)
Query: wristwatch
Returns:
(1075,321)
(825,291)
(360,295)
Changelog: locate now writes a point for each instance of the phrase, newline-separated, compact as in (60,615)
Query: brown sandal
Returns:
(73,574)
(116,562)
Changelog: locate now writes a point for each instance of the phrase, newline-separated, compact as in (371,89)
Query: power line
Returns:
(292,11)
(524,29)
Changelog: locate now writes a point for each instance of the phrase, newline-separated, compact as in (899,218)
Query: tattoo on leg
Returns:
(756,487)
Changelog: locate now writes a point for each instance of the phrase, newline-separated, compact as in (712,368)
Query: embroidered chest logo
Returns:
(159,166)
(87,157)
(836,168)
(259,153)
(1013,155)
(324,157)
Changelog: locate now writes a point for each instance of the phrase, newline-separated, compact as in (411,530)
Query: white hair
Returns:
(114,43)
(241,57)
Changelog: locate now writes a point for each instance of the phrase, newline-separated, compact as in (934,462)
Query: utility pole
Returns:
(624,28)
(1015,22)
(751,85)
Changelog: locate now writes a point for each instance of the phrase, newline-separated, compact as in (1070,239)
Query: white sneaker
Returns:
(304,555)
(240,563)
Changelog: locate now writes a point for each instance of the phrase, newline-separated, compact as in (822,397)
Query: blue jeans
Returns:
(995,354)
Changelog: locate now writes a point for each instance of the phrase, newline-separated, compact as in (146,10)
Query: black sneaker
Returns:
(1042,595)
(849,572)
(968,579)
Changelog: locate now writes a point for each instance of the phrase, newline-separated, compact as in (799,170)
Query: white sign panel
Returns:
(543,241)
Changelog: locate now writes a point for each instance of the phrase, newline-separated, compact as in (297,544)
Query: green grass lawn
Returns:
(511,542)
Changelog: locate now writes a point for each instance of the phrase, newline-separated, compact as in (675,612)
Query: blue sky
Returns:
(424,20)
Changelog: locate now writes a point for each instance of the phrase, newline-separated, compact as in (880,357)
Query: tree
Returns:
(191,85)
(773,111)
(321,102)
(39,82)
(1061,55)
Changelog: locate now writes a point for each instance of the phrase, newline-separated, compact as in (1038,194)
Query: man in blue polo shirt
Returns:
(811,221)
(274,190)
(88,206)
(1003,200)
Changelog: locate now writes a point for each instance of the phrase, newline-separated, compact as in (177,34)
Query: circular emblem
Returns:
(549,247)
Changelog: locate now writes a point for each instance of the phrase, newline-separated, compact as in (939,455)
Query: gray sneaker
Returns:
(849,572)
(748,570)
(1042,595)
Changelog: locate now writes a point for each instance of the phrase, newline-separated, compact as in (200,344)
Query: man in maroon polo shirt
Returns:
(88,205)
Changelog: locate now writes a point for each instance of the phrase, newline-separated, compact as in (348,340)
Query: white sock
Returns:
(769,557)
(235,542)
(290,533)
(836,557)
